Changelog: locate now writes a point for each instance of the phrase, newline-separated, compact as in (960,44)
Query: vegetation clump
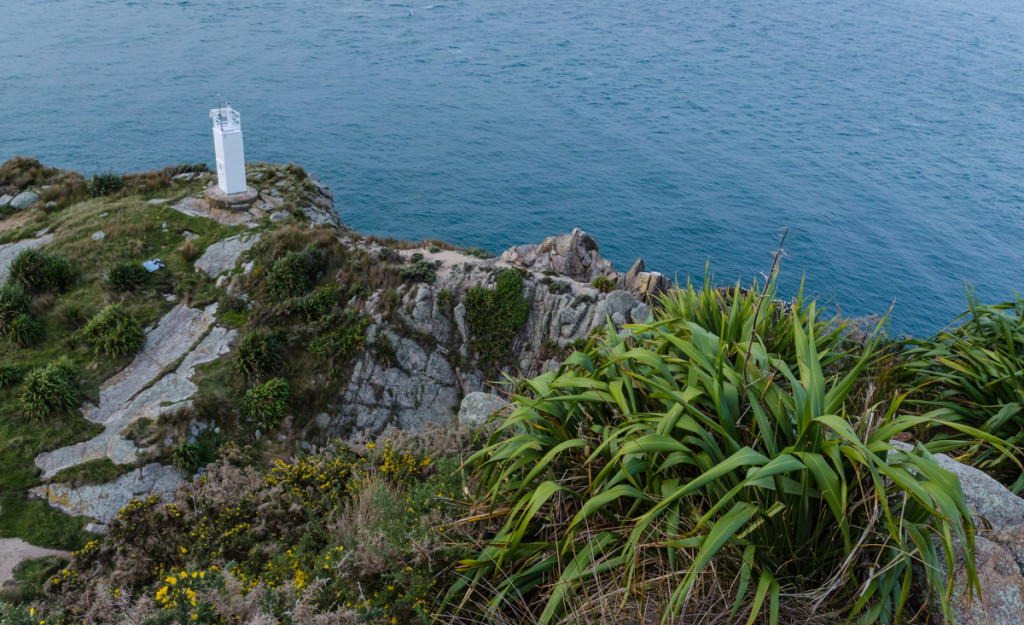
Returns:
(972,374)
(49,391)
(351,534)
(114,332)
(603,284)
(495,316)
(258,355)
(265,405)
(721,440)
(105,183)
(420,271)
(125,275)
(40,272)
(295,273)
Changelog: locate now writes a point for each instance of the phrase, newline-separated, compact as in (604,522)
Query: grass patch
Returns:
(99,471)
(37,523)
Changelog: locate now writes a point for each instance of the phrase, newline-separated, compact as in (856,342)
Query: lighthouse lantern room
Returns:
(227,142)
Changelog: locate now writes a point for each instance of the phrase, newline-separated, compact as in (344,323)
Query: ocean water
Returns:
(886,135)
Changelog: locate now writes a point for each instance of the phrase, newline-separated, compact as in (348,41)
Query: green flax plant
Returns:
(711,449)
(973,373)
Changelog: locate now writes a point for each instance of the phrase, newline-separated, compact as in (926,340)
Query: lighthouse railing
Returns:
(226,118)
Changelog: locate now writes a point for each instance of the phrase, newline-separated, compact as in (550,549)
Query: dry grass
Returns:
(188,252)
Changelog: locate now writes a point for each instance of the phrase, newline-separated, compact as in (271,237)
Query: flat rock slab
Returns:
(132,394)
(14,551)
(9,251)
(104,501)
(201,207)
(223,255)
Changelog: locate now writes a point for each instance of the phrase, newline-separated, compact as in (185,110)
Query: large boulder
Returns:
(477,408)
(574,255)
(23,200)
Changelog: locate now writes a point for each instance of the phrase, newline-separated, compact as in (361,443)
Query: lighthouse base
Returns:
(236,202)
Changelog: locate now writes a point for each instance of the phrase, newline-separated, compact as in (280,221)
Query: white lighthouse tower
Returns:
(227,142)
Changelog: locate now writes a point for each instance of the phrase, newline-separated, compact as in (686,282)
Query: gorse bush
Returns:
(258,355)
(345,535)
(265,405)
(974,374)
(40,271)
(712,442)
(49,391)
(494,318)
(113,332)
(125,275)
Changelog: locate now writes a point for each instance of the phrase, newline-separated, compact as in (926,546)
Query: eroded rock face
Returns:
(434,364)
(574,255)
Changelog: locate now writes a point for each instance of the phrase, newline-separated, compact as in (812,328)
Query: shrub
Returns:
(258,355)
(478,253)
(125,275)
(265,405)
(186,457)
(113,332)
(106,183)
(384,351)
(49,391)
(971,374)
(603,283)
(318,303)
(338,335)
(14,303)
(24,330)
(388,255)
(70,314)
(295,273)
(12,374)
(419,271)
(695,446)
(495,316)
(559,288)
(40,271)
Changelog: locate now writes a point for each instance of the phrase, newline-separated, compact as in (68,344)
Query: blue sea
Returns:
(885,135)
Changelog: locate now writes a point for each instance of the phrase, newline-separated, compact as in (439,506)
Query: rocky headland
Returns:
(414,336)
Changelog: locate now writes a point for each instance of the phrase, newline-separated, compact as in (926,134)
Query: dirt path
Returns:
(13,551)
